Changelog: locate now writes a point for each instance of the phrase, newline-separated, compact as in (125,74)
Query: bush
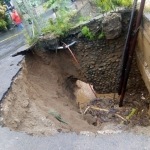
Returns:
(2,24)
(2,15)
(107,5)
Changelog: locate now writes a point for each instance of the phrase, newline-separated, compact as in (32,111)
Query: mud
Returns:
(48,83)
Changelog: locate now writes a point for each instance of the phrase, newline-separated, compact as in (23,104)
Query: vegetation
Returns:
(55,4)
(49,3)
(64,16)
(82,19)
(2,15)
(5,19)
(61,24)
(86,31)
(101,35)
(107,5)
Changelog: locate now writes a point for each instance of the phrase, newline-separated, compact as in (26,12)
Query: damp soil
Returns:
(48,97)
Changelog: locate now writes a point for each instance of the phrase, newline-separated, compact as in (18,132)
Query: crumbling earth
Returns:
(44,99)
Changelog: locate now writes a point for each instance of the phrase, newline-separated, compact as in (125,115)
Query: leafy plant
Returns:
(101,35)
(7,20)
(2,24)
(2,14)
(86,32)
(48,4)
(64,22)
(55,4)
(107,5)
(61,24)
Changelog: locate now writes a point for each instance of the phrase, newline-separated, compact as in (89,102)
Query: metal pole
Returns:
(128,67)
(126,49)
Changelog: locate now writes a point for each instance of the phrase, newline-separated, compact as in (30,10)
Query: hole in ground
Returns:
(46,98)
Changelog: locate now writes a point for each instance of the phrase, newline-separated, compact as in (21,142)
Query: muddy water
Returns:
(84,94)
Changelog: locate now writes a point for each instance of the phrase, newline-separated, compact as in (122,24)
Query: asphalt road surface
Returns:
(10,42)
(10,140)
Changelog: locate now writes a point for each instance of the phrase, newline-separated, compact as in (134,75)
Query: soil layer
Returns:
(44,99)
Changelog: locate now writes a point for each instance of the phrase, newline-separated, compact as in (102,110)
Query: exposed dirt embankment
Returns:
(44,84)
(45,96)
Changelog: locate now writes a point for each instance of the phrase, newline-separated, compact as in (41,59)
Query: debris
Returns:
(87,133)
(142,97)
(86,109)
(108,132)
(57,116)
(100,109)
(131,114)
(121,117)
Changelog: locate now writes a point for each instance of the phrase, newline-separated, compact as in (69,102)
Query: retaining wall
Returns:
(143,50)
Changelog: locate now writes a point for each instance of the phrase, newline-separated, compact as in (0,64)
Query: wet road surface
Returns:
(9,44)
(10,140)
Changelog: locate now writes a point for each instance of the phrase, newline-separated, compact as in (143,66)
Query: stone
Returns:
(112,26)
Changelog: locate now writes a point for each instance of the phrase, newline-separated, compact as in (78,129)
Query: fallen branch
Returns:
(121,117)
(101,109)
(86,109)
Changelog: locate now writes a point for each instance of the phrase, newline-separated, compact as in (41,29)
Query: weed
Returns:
(101,35)
(86,32)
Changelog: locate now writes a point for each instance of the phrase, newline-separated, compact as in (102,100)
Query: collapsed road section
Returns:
(44,98)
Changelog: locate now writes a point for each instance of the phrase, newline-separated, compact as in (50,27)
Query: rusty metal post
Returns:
(128,67)
(126,49)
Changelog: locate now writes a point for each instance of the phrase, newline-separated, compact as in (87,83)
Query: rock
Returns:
(112,26)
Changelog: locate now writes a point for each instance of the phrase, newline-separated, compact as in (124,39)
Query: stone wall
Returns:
(100,58)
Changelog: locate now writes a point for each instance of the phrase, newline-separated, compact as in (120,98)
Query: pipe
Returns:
(126,49)
(92,90)
(66,46)
(128,67)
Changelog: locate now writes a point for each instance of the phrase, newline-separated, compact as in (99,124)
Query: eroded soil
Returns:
(47,83)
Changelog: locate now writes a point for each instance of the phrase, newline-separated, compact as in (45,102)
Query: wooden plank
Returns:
(144,47)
